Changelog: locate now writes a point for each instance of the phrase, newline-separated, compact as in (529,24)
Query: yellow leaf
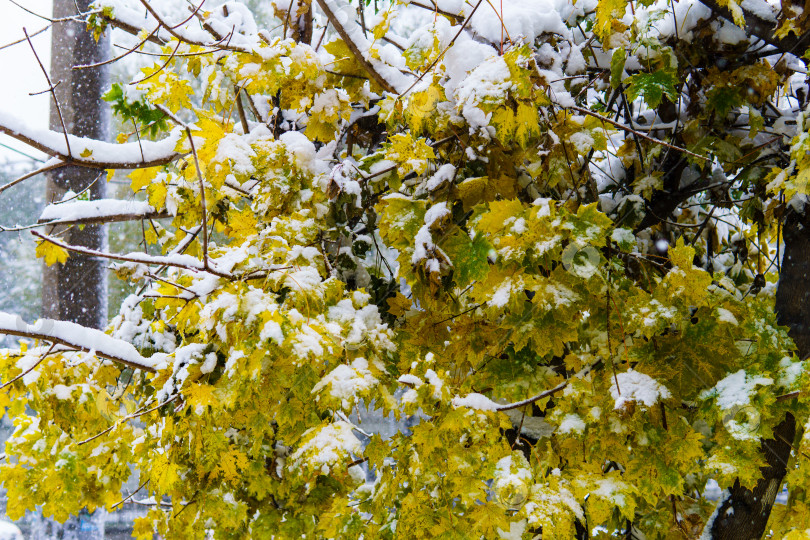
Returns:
(231,464)
(473,190)
(736,12)
(241,224)
(200,396)
(398,305)
(157,194)
(143,177)
(527,123)
(106,406)
(51,253)
(143,529)
(164,474)
(86,153)
(606,12)
(421,109)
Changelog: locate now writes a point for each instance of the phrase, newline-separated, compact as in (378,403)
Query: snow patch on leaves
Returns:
(636,386)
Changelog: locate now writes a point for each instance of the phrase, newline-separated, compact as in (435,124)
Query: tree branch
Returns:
(185,262)
(764,30)
(91,153)
(327,9)
(77,337)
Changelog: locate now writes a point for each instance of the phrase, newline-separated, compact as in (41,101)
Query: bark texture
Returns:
(744,514)
(77,290)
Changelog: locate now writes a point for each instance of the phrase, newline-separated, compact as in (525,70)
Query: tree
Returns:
(569,242)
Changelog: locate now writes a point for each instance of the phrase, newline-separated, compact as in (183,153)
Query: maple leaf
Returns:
(51,252)
(652,87)
(231,464)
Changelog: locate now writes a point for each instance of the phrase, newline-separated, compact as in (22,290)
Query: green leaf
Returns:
(469,256)
(617,67)
(652,87)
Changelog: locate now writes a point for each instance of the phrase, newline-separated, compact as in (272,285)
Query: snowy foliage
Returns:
(538,232)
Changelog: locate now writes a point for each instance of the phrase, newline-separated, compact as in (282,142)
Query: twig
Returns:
(441,55)
(38,32)
(146,259)
(111,60)
(29,370)
(136,414)
(53,92)
(122,501)
(547,393)
(45,168)
(241,110)
(161,68)
(202,199)
(636,133)
(180,37)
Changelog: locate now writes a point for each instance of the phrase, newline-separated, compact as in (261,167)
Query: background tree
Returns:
(77,290)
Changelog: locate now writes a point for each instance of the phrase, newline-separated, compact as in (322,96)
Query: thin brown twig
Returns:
(77,17)
(378,78)
(241,110)
(111,60)
(180,37)
(447,48)
(127,498)
(541,395)
(635,132)
(138,134)
(53,92)
(31,174)
(38,32)
(161,68)
(162,261)
(435,9)
(29,370)
(136,414)
(202,198)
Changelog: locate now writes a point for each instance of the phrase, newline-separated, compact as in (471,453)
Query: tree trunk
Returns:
(744,513)
(77,290)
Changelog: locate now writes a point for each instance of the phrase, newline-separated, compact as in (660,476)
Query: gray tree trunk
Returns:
(743,515)
(77,290)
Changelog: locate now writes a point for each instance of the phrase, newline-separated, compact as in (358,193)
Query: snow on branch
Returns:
(90,152)
(483,403)
(77,337)
(388,77)
(98,211)
(764,27)
(234,29)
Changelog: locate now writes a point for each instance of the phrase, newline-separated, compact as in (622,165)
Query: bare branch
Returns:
(51,88)
(636,133)
(180,37)
(49,166)
(185,262)
(119,57)
(11,44)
